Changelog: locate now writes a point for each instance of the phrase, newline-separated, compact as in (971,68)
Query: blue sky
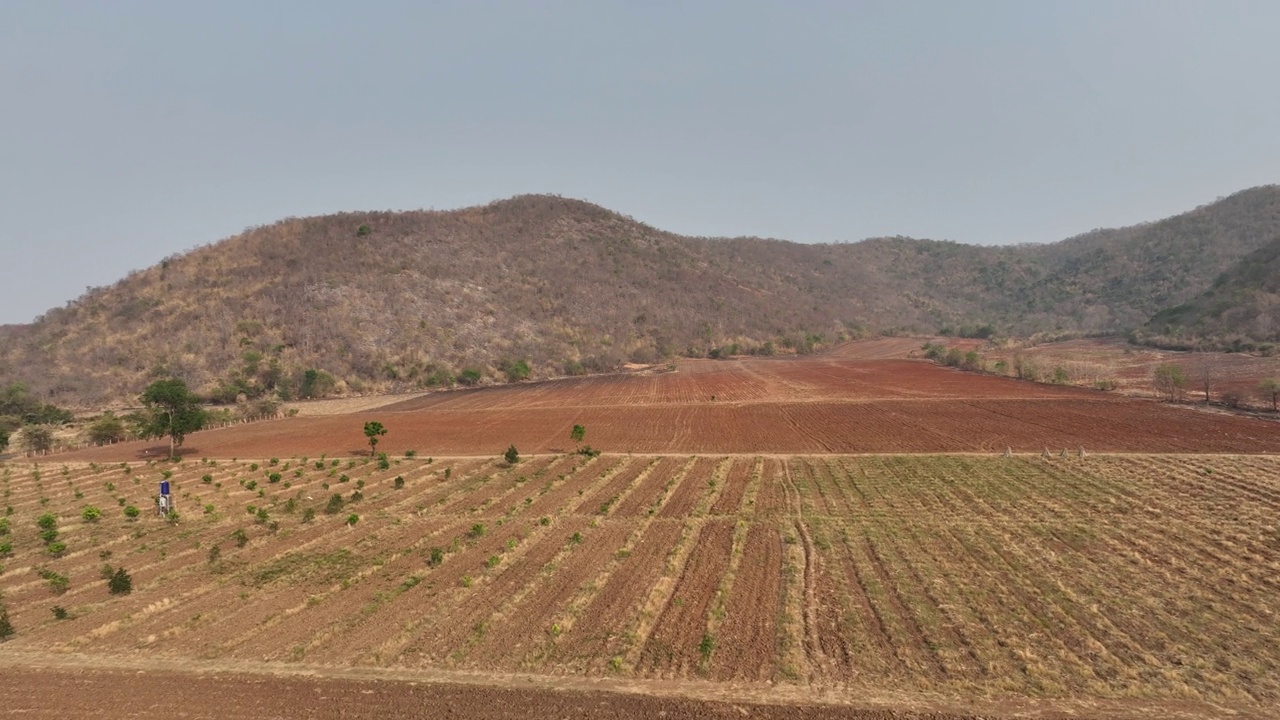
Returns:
(136,130)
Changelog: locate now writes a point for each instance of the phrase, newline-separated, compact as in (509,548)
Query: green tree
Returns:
(107,429)
(469,376)
(315,384)
(373,430)
(1170,380)
(120,583)
(172,410)
(37,438)
(1270,389)
(512,455)
(577,434)
(516,371)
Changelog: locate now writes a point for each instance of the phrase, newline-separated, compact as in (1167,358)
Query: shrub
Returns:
(273,477)
(120,583)
(410,453)
(241,537)
(308,515)
(6,549)
(363,231)
(352,519)
(57,549)
(476,531)
(334,505)
(60,613)
(6,627)
(512,455)
(384,463)
(206,479)
(215,554)
(90,513)
(131,512)
(47,521)
(58,582)
(399,482)
(437,557)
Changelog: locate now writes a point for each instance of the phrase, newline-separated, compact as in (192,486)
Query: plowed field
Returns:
(821,404)
(1119,578)
(759,535)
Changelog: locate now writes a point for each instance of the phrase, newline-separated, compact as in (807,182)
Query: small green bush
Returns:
(437,557)
(131,512)
(120,583)
(334,506)
(352,519)
(399,482)
(91,513)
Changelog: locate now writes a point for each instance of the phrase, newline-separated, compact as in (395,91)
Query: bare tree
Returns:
(1204,372)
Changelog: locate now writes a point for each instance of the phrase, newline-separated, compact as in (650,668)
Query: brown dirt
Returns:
(751,614)
(801,405)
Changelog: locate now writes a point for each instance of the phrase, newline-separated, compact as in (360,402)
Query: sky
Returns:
(133,131)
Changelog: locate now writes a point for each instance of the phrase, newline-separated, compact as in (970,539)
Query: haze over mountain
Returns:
(384,301)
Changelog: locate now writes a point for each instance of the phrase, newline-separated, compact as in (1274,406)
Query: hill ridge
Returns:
(541,285)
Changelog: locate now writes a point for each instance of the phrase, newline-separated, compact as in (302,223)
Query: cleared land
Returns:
(1133,580)
(786,531)
(1131,368)
(848,401)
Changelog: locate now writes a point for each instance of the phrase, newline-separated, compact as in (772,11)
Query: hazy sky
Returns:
(136,130)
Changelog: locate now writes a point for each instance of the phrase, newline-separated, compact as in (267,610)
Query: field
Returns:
(1132,367)
(834,536)
(1117,578)
(863,398)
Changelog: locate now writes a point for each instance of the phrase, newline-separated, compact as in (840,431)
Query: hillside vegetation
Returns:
(541,286)
(1241,307)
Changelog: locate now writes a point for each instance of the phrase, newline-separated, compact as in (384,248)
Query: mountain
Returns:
(1240,311)
(542,286)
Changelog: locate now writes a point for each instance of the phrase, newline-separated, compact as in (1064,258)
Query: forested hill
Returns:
(541,286)
(1241,308)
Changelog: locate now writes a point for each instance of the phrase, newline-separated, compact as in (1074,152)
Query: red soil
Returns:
(828,403)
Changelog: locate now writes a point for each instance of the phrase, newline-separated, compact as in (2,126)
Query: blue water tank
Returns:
(164,487)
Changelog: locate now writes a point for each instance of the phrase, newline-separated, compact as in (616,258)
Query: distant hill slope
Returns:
(1240,310)
(564,286)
